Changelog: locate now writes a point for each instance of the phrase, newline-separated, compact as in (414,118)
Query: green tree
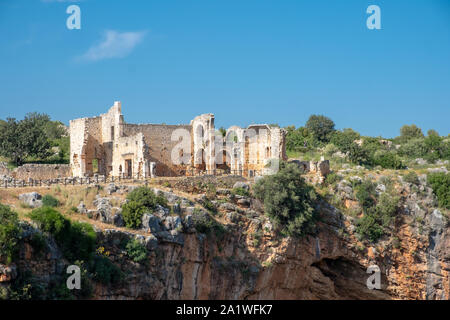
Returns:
(357,154)
(410,132)
(414,148)
(24,138)
(297,139)
(344,139)
(321,127)
(288,200)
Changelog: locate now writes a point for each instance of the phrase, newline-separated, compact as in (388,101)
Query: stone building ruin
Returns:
(107,145)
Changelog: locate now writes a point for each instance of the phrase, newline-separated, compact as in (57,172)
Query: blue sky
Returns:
(246,61)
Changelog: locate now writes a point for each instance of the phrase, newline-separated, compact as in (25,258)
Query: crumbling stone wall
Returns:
(320,168)
(253,149)
(36,171)
(203,141)
(158,139)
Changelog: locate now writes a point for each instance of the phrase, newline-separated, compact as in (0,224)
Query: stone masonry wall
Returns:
(160,145)
(37,171)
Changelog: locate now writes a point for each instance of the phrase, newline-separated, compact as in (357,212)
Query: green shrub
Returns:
(9,233)
(206,224)
(105,271)
(411,177)
(344,139)
(330,149)
(409,132)
(141,200)
(369,227)
(357,154)
(297,139)
(136,251)
(49,201)
(332,178)
(132,213)
(26,287)
(208,205)
(440,183)
(240,191)
(75,239)
(376,219)
(414,148)
(365,193)
(288,200)
(388,160)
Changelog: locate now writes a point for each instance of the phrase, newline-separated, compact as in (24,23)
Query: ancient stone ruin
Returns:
(106,145)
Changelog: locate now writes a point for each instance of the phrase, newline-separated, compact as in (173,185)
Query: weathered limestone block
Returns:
(151,223)
(32,199)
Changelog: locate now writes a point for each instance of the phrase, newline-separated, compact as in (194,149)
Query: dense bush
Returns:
(369,226)
(240,191)
(414,148)
(26,287)
(50,201)
(330,149)
(9,233)
(387,160)
(365,193)
(298,139)
(75,239)
(344,139)
(140,201)
(333,178)
(288,200)
(409,132)
(411,177)
(105,271)
(440,183)
(206,224)
(136,251)
(357,154)
(377,218)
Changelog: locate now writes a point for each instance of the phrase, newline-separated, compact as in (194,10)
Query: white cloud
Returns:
(114,45)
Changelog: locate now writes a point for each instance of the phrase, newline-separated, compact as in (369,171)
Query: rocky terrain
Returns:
(210,242)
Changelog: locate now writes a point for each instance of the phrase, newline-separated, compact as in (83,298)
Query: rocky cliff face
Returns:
(249,261)
(327,265)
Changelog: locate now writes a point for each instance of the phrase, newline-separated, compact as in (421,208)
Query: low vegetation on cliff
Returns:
(141,200)
(9,233)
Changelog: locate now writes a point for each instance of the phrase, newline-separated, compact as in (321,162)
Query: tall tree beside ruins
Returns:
(24,138)
(321,127)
